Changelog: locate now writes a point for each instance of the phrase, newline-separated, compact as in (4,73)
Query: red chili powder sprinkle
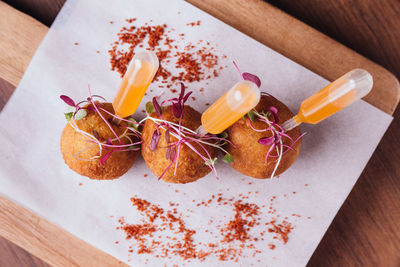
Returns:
(282,230)
(197,23)
(193,70)
(164,232)
(244,219)
(193,65)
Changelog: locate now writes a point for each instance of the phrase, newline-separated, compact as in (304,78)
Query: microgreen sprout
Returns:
(78,111)
(248,76)
(275,141)
(183,135)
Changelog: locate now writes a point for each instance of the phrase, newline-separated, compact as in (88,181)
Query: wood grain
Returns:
(372,28)
(303,44)
(14,27)
(12,255)
(365,231)
(52,244)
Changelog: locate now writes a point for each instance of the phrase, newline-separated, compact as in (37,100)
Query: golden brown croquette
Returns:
(249,155)
(72,142)
(191,166)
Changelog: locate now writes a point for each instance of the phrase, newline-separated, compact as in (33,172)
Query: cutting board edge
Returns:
(18,25)
(48,241)
(296,41)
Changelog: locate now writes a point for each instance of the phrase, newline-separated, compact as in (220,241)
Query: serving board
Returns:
(268,25)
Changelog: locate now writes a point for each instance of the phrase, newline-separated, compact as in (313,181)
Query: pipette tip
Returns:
(289,125)
(201,130)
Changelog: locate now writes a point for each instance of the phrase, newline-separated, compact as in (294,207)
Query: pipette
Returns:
(141,71)
(341,93)
(236,102)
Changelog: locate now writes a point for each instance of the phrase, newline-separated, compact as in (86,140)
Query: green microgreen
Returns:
(211,161)
(133,123)
(150,108)
(228,158)
(68,115)
(224,135)
(251,115)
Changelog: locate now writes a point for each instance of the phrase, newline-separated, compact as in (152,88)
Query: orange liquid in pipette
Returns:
(219,116)
(314,110)
(132,91)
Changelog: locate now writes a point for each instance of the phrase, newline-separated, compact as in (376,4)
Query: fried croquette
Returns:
(77,151)
(191,166)
(249,155)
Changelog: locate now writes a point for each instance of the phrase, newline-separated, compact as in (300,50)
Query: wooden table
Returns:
(366,230)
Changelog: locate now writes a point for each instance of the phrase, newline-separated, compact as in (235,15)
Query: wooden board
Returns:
(268,25)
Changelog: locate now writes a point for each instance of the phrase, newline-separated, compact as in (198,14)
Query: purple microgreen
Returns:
(167,137)
(289,147)
(77,112)
(236,66)
(186,97)
(101,116)
(278,138)
(273,109)
(105,158)
(95,134)
(182,91)
(167,153)
(266,141)
(68,100)
(109,142)
(166,169)
(185,136)
(82,102)
(254,128)
(129,120)
(269,152)
(172,154)
(248,76)
(156,106)
(98,96)
(228,158)
(154,139)
(177,110)
(274,112)
(252,78)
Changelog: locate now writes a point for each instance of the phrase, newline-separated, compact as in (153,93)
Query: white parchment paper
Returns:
(32,171)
